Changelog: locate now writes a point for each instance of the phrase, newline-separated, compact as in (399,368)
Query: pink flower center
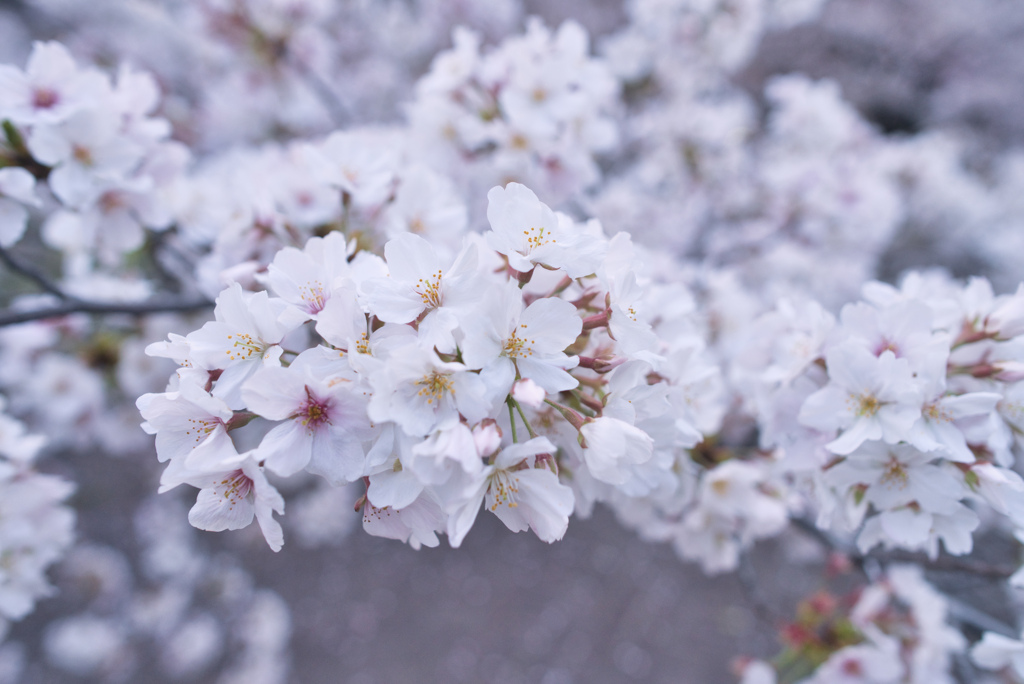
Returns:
(314,412)
(44,98)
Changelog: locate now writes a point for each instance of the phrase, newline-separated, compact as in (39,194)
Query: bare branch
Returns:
(35,275)
(105,308)
(944,564)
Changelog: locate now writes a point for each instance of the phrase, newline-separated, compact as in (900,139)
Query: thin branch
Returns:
(958,610)
(102,308)
(944,564)
(963,565)
(35,275)
(968,614)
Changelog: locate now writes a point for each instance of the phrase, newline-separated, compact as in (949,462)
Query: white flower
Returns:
(868,397)
(189,425)
(421,393)
(627,323)
(896,476)
(305,279)
(418,523)
(360,166)
(229,499)
(88,153)
(418,283)
(612,447)
(529,344)
(245,336)
(50,89)
(426,204)
(326,422)
(529,233)
(938,429)
(521,493)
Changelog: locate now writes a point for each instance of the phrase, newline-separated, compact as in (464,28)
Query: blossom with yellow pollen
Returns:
(868,398)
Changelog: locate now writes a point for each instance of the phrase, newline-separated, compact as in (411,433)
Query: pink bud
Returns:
(528,393)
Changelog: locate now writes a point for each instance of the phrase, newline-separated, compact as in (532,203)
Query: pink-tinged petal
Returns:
(384,522)
(949,437)
(337,455)
(271,529)
(436,330)
(392,300)
(896,420)
(851,438)
(341,322)
(411,258)
(18,184)
(460,520)
(513,455)
(956,530)
(937,489)
(545,503)
(853,368)
(553,323)
(50,62)
(15,90)
(287,448)
(274,393)
(48,145)
(547,375)
(973,404)
(215,452)
(229,384)
(226,506)
(907,527)
(612,447)
(74,185)
(394,488)
(826,409)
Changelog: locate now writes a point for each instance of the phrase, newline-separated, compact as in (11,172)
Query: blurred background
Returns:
(145,598)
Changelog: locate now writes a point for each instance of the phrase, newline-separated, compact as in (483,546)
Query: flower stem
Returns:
(511,418)
(512,402)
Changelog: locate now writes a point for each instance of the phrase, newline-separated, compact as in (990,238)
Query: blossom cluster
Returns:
(537,109)
(676,325)
(106,161)
(501,376)
(898,413)
(892,631)
(36,527)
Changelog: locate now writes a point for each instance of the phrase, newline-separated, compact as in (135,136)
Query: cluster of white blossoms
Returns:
(520,375)
(897,414)
(896,632)
(400,320)
(536,109)
(36,527)
(244,206)
(106,161)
